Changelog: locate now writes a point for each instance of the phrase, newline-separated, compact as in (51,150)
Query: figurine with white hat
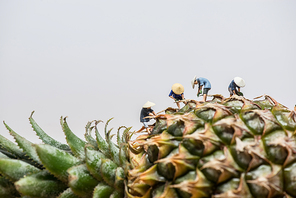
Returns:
(177,93)
(202,82)
(145,112)
(235,85)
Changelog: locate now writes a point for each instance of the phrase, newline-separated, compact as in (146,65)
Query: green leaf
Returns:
(45,137)
(2,155)
(75,143)
(123,146)
(41,184)
(119,179)
(102,144)
(106,126)
(68,194)
(56,161)
(88,136)
(10,147)
(93,161)
(16,169)
(7,189)
(121,138)
(108,170)
(102,190)
(81,182)
(114,150)
(116,194)
(122,155)
(25,145)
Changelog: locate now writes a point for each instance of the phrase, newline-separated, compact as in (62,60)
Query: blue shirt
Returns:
(204,82)
(176,96)
(233,86)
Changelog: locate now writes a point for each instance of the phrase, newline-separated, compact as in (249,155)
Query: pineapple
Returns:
(228,147)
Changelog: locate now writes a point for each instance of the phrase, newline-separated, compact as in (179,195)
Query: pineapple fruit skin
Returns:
(227,147)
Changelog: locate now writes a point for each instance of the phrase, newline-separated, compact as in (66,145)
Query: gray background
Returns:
(100,59)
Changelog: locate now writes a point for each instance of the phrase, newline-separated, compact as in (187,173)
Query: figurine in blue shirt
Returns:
(235,85)
(202,82)
(147,111)
(177,93)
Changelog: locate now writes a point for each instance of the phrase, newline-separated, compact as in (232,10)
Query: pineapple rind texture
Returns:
(227,147)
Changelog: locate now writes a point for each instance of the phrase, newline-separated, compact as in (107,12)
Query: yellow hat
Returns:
(148,104)
(178,88)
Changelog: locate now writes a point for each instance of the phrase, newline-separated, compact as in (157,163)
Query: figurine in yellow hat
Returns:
(177,93)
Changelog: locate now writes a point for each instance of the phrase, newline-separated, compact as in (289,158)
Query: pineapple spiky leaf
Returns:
(26,146)
(75,143)
(102,144)
(93,161)
(44,185)
(16,169)
(80,181)
(7,188)
(87,135)
(108,170)
(102,190)
(56,161)
(11,148)
(45,137)
(68,193)
(113,148)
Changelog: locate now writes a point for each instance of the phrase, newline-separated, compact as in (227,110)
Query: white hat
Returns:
(239,81)
(148,104)
(192,82)
(178,88)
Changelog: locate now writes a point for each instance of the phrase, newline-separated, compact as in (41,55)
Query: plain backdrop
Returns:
(95,59)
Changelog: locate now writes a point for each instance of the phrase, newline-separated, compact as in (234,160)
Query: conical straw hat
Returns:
(192,82)
(239,81)
(148,104)
(178,88)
